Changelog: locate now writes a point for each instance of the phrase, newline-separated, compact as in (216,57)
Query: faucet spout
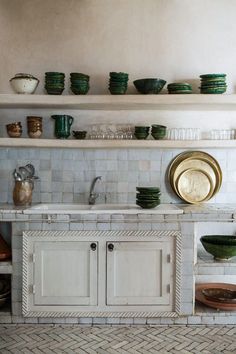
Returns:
(92,195)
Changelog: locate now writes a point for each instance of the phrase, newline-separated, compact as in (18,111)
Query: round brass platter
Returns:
(196,160)
(194,185)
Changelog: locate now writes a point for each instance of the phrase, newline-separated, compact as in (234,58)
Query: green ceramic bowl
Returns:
(141,135)
(149,86)
(220,246)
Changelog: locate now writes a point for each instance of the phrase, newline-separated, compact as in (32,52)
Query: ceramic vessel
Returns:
(22,193)
(222,247)
(62,125)
(14,130)
(34,125)
(24,83)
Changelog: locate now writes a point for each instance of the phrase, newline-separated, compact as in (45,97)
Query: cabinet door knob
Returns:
(110,247)
(93,246)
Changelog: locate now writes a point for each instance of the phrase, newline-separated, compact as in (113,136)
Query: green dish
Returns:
(148,189)
(212,76)
(149,86)
(220,246)
(150,205)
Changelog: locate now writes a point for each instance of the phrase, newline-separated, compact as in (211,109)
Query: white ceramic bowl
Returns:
(24,83)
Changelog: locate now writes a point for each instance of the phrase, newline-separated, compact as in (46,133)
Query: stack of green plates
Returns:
(54,82)
(79,83)
(148,197)
(118,83)
(213,83)
(179,87)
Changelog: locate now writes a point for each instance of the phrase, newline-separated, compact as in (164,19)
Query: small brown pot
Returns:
(14,130)
(35,127)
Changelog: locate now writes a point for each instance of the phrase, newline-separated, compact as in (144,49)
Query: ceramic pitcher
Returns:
(62,125)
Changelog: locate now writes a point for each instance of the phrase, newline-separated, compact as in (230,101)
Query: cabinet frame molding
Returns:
(29,236)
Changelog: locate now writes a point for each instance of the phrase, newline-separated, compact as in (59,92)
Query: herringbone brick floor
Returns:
(51,339)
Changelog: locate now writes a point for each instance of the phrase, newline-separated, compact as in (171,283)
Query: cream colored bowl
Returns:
(24,83)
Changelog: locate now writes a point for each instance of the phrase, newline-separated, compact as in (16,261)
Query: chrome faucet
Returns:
(93,196)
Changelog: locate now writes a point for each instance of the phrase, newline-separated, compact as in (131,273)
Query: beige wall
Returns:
(171,39)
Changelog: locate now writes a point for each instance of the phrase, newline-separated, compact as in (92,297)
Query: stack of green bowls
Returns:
(179,87)
(213,83)
(141,132)
(118,83)
(148,197)
(79,83)
(158,131)
(54,82)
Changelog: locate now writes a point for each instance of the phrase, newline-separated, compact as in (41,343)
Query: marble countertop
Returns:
(188,211)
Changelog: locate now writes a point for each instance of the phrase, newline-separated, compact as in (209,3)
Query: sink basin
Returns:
(62,208)
(56,208)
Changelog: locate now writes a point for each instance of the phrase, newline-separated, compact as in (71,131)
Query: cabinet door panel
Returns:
(139,273)
(65,273)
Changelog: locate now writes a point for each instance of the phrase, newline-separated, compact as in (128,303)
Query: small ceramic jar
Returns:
(24,83)
(35,127)
(14,130)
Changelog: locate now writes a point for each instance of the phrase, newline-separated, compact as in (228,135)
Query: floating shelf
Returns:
(116,144)
(121,102)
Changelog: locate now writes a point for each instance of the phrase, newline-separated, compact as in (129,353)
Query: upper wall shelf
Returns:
(121,102)
(118,144)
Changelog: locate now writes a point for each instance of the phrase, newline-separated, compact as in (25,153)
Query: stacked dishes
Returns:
(213,83)
(118,83)
(54,82)
(221,296)
(179,87)
(141,132)
(195,176)
(79,83)
(158,131)
(5,291)
(148,197)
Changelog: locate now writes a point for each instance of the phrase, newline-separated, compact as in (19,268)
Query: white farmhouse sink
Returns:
(57,208)
(62,208)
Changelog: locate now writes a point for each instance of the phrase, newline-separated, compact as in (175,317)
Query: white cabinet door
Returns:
(139,273)
(65,273)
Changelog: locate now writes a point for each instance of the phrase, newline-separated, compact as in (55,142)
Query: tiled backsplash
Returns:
(66,174)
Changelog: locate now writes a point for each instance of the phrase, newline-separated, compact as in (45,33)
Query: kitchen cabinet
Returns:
(98,273)
(65,273)
(139,273)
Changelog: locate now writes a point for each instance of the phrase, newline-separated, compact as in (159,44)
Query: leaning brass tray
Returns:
(197,160)
(194,185)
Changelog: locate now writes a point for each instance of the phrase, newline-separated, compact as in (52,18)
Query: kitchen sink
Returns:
(56,208)
(73,208)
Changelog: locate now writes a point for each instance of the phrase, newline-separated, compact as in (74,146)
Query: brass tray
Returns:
(197,160)
(194,185)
